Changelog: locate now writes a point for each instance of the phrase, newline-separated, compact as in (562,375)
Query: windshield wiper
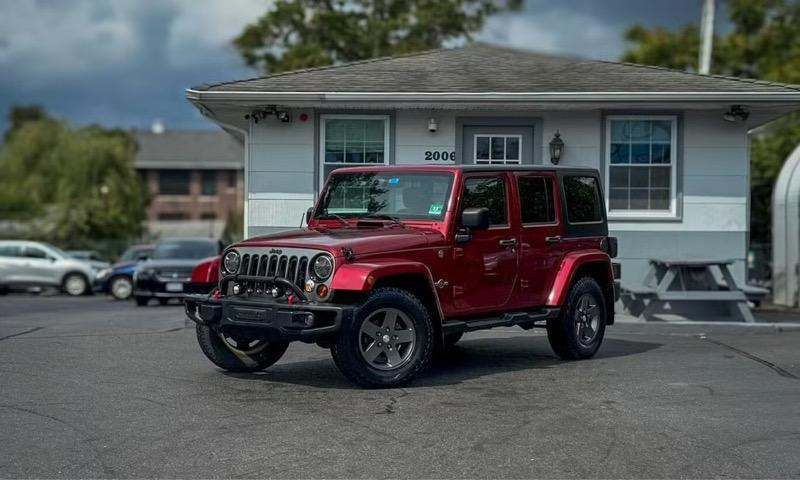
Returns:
(383,216)
(337,217)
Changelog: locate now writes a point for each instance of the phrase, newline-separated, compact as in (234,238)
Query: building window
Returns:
(536,200)
(209,183)
(173,182)
(232,179)
(497,149)
(640,155)
(172,216)
(350,140)
(208,216)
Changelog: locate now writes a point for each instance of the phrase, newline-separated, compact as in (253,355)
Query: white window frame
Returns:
(672,213)
(322,123)
(491,161)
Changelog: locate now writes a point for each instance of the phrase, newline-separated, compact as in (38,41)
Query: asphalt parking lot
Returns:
(94,388)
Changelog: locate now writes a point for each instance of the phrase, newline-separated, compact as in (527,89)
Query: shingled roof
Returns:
(485,68)
(187,149)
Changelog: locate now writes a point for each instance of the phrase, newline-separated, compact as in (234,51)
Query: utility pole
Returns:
(706,37)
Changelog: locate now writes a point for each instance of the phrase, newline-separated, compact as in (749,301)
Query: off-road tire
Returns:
(346,351)
(561,331)
(217,350)
(75,276)
(141,301)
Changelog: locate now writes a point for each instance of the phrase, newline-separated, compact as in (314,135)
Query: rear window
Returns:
(583,199)
(536,200)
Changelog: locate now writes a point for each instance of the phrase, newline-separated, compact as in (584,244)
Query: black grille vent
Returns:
(294,268)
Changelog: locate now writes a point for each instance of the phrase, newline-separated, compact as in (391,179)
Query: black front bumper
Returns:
(300,321)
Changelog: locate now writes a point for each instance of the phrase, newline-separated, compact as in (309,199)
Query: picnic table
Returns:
(670,281)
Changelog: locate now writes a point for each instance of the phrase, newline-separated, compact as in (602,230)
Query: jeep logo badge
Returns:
(276,251)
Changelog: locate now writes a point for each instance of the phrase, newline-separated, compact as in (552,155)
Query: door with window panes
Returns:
(507,145)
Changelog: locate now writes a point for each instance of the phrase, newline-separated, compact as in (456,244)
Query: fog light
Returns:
(322,291)
(276,292)
(310,286)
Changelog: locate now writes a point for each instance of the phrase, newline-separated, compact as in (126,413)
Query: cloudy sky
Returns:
(126,62)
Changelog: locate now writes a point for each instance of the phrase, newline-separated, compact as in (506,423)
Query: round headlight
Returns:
(231,262)
(323,267)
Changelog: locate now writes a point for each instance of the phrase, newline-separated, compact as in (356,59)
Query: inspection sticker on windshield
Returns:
(394,181)
(436,209)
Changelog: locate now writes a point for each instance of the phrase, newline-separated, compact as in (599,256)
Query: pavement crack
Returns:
(30,330)
(393,400)
(780,371)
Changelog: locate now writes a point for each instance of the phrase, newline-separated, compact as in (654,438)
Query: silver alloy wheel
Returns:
(121,288)
(387,339)
(75,285)
(587,319)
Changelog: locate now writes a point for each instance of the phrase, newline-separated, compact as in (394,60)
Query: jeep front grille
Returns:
(291,267)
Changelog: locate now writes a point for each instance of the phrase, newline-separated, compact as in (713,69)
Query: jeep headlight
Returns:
(231,261)
(322,267)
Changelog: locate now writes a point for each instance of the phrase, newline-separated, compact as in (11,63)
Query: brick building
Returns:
(194,177)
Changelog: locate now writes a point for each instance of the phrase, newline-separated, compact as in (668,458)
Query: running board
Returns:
(526,320)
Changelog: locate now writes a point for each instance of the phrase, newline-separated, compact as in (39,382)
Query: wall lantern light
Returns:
(556,148)
(737,113)
(433,125)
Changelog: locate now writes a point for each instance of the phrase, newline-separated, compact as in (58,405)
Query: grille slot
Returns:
(292,267)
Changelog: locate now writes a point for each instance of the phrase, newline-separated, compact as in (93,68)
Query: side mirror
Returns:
(475,218)
(309,214)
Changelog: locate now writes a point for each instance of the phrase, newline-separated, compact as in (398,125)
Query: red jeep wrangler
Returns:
(399,261)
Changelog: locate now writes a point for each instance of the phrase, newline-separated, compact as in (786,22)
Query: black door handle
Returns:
(553,239)
(509,242)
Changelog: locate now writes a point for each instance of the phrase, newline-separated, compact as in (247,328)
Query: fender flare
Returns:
(362,276)
(571,263)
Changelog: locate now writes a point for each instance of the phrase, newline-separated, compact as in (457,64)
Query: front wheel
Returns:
(75,284)
(578,331)
(236,352)
(121,287)
(387,342)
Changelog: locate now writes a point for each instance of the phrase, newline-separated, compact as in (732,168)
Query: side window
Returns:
(33,252)
(10,251)
(583,199)
(489,193)
(536,199)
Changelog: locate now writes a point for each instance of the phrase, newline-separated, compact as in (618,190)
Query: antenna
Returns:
(706,37)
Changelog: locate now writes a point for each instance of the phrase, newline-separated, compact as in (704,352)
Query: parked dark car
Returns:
(167,274)
(118,279)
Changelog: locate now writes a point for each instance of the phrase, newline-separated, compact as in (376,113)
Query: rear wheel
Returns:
(121,287)
(236,352)
(75,284)
(387,342)
(578,331)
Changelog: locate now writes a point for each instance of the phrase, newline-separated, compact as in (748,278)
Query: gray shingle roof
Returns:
(188,149)
(486,68)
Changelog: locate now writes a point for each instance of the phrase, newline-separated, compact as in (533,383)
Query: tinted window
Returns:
(185,249)
(489,193)
(173,182)
(536,200)
(583,199)
(33,252)
(209,186)
(9,251)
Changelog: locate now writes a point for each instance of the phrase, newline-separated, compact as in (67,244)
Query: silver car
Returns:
(34,264)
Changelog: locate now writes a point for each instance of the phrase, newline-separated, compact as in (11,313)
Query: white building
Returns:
(673,147)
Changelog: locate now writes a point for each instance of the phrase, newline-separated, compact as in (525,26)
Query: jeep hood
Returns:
(363,241)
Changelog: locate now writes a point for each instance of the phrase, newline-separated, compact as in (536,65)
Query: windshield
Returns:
(135,254)
(184,249)
(398,195)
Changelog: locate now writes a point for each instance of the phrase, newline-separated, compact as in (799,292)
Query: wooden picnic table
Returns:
(677,281)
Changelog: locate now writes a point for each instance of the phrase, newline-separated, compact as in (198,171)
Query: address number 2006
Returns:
(440,156)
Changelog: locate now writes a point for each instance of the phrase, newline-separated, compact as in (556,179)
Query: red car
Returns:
(399,261)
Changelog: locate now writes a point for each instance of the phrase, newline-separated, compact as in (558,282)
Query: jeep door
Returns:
(486,264)
(541,249)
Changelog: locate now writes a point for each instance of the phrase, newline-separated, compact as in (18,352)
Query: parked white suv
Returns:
(34,264)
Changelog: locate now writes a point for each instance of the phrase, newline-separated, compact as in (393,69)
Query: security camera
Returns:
(283,116)
(433,125)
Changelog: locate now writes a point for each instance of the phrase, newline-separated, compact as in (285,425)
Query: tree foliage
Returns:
(296,34)
(75,185)
(764,43)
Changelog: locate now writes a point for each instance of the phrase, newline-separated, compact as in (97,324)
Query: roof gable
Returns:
(484,68)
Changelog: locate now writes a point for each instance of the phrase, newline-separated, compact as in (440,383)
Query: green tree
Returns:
(296,34)
(764,43)
(75,185)
(21,114)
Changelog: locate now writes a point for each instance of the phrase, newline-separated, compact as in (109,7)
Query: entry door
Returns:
(540,250)
(497,145)
(487,263)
